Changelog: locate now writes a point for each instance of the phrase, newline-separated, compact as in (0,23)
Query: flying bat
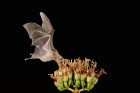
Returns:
(42,39)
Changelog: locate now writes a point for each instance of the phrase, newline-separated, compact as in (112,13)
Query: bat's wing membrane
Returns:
(38,35)
(47,26)
(39,39)
(39,52)
(32,27)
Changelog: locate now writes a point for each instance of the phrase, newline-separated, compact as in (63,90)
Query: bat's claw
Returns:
(27,59)
(30,58)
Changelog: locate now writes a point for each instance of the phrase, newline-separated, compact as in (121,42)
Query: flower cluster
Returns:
(77,74)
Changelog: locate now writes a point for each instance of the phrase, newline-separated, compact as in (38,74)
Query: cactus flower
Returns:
(76,74)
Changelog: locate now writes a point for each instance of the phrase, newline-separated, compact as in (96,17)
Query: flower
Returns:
(76,74)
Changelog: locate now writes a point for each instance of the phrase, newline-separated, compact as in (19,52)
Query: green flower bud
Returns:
(70,79)
(61,87)
(83,84)
(88,85)
(77,83)
(66,84)
(77,80)
(91,84)
(83,78)
(70,82)
(65,79)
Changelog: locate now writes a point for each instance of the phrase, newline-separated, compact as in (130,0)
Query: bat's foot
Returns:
(30,58)
(27,59)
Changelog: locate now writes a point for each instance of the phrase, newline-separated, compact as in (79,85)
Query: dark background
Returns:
(107,32)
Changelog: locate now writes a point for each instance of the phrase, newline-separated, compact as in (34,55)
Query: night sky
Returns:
(107,32)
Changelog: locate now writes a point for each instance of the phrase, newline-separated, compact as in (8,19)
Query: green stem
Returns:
(82,90)
(70,89)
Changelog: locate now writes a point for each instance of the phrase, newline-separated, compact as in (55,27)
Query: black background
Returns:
(107,32)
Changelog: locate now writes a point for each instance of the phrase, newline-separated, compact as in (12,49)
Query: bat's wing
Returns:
(47,26)
(39,39)
(42,39)
(33,29)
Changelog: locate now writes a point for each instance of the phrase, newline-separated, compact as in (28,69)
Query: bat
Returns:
(42,39)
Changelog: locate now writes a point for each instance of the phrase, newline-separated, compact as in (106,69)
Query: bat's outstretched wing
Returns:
(46,24)
(39,39)
(42,39)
